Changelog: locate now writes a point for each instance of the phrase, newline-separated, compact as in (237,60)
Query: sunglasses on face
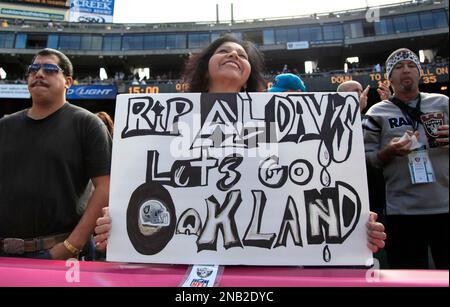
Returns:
(48,68)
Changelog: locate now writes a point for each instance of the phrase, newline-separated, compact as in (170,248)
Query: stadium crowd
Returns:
(39,195)
(170,77)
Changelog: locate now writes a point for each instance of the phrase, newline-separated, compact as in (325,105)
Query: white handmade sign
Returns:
(231,179)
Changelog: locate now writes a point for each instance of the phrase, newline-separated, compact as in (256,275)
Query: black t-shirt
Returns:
(45,166)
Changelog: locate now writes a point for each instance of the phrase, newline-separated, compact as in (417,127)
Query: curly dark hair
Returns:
(196,69)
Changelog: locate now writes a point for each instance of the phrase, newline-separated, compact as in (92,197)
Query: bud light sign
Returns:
(92,92)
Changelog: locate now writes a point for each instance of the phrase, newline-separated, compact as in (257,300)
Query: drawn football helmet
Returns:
(154,213)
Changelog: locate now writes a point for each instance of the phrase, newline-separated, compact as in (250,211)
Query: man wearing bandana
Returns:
(407,136)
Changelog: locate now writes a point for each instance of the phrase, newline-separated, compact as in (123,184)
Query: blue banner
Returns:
(95,11)
(92,92)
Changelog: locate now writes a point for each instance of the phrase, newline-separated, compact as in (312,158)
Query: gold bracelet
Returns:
(75,251)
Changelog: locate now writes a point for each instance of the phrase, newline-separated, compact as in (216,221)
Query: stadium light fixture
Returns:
(309,67)
(421,56)
(144,73)
(334,15)
(2,73)
(103,74)
(353,59)
(426,55)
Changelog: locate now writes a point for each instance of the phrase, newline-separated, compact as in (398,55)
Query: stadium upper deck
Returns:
(328,39)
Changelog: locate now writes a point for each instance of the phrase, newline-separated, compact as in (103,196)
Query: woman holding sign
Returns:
(229,65)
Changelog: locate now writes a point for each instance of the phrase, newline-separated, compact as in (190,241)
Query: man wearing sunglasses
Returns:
(48,153)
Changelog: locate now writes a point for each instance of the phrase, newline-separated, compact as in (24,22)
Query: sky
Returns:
(156,11)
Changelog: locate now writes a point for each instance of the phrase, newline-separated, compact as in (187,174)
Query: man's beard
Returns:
(408,88)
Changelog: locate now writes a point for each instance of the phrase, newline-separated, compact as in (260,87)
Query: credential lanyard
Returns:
(413,114)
